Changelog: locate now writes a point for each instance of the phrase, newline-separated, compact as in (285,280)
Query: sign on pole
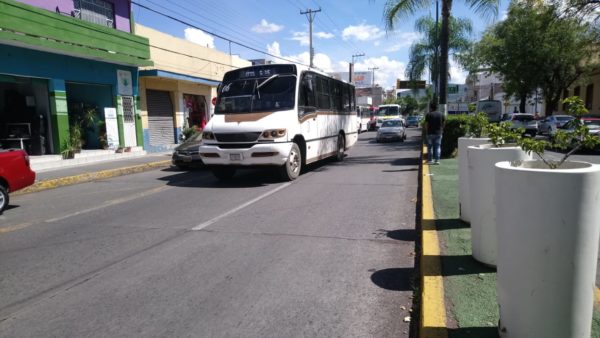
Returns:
(401,84)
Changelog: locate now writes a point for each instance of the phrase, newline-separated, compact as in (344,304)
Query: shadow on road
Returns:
(244,178)
(466,332)
(408,235)
(458,265)
(394,279)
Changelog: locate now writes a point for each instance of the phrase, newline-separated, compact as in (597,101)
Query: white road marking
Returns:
(110,203)
(240,207)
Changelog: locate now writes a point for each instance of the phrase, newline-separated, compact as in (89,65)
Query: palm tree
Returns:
(423,53)
(396,9)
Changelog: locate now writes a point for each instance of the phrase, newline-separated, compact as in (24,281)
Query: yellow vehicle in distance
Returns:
(388,112)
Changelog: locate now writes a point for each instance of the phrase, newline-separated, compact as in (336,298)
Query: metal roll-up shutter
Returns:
(160,117)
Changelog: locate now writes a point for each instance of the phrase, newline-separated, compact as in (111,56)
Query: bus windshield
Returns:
(261,94)
(388,111)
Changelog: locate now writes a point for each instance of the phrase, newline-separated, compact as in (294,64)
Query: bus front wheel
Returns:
(291,169)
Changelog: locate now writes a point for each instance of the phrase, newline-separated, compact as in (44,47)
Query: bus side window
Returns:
(306,101)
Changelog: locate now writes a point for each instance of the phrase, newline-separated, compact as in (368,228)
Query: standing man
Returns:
(434,127)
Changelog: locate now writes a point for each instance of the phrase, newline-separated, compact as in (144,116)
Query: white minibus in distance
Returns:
(492,108)
(282,115)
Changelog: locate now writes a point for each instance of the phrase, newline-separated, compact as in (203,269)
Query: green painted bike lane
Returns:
(470,287)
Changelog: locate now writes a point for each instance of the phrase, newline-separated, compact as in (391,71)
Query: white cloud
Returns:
(323,35)
(404,40)
(266,27)
(274,48)
(304,39)
(362,32)
(457,75)
(320,60)
(199,37)
(388,70)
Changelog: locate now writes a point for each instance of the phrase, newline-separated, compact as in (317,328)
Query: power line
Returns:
(216,35)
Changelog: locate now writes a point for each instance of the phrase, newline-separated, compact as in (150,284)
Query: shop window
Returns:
(195,110)
(96,11)
(589,96)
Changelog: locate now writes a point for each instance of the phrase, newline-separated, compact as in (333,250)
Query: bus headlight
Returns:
(207,135)
(273,134)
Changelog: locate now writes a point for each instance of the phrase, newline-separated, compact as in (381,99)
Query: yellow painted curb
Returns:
(433,308)
(93,176)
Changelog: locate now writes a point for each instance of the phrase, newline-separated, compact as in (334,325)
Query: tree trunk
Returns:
(446,8)
(522,103)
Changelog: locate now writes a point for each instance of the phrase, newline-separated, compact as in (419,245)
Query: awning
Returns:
(176,76)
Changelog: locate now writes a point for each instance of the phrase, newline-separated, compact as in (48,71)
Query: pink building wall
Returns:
(121,10)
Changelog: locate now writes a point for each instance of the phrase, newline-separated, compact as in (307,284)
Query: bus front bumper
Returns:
(274,154)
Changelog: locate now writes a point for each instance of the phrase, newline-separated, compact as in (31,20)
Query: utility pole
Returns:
(351,71)
(310,14)
(373,69)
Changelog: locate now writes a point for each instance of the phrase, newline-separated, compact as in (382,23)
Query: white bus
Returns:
(282,115)
(492,108)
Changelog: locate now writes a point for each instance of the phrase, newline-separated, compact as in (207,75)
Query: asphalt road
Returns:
(178,254)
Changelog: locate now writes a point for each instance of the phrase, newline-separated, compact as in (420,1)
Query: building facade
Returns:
(177,91)
(64,64)
(484,86)
(588,89)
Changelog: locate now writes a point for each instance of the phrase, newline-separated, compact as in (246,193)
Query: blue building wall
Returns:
(32,63)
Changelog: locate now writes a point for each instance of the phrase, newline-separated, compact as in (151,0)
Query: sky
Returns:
(257,28)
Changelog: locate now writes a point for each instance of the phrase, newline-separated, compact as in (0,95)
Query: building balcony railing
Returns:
(31,27)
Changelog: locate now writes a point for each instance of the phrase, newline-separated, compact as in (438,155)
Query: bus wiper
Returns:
(267,81)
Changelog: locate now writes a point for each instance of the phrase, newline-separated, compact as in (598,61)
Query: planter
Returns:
(548,228)
(481,195)
(463,167)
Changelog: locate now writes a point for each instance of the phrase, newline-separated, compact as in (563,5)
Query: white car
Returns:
(553,122)
(391,130)
(525,121)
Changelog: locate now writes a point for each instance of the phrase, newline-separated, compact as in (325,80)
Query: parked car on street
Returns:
(553,122)
(413,121)
(391,130)
(187,154)
(15,174)
(525,121)
(593,124)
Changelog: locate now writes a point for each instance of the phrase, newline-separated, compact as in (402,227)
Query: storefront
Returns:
(63,96)
(66,83)
(170,104)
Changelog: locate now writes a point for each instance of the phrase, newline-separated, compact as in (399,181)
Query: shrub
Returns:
(456,126)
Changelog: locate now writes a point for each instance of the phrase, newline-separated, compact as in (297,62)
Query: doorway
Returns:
(25,114)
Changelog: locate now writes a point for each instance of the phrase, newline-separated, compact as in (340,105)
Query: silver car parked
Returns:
(550,124)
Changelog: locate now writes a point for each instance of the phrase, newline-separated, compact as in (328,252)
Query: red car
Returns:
(15,173)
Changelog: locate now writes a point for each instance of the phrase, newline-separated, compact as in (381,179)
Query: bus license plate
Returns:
(235,157)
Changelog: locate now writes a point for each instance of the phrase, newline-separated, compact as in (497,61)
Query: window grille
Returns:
(128,109)
(96,11)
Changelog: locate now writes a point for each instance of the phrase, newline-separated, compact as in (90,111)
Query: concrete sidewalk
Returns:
(458,296)
(54,178)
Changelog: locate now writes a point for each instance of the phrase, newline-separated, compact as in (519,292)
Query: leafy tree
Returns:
(396,9)
(409,104)
(537,47)
(423,52)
